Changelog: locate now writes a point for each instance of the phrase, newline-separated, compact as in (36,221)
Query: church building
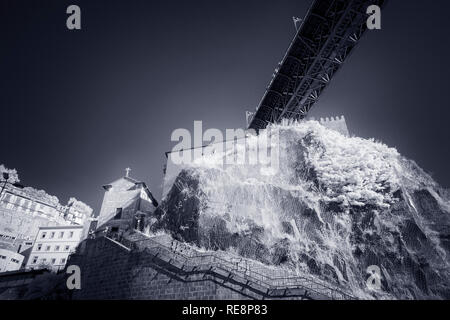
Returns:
(126,203)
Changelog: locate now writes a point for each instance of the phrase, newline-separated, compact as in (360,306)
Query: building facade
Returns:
(125,205)
(23,210)
(53,245)
(77,212)
(10,260)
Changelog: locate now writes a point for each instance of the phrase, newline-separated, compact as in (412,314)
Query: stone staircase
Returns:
(248,277)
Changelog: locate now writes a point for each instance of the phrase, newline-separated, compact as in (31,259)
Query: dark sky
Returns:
(78,107)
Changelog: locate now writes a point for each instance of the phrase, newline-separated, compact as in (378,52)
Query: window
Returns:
(57,248)
(53,261)
(118,213)
(44,260)
(63,260)
(47,248)
(35,259)
(71,234)
(3,257)
(61,234)
(39,247)
(14,260)
(43,235)
(67,248)
(52,235)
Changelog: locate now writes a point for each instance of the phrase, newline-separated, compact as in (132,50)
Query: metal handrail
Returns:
(250,277)
(287,282)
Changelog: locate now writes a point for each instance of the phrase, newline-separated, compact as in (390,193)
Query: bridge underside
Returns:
(327,36)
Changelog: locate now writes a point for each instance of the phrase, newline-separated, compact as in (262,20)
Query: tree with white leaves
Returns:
(10,174)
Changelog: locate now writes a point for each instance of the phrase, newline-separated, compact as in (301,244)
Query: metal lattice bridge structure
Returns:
(327,36)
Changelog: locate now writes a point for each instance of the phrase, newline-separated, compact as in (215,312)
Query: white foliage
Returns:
(13,176)
(326,182)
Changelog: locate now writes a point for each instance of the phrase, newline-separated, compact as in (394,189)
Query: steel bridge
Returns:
(327,36)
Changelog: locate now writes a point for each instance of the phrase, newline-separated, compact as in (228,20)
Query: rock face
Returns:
(335,206)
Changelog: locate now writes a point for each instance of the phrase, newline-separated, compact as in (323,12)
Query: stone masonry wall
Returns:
(111,271)
(160,267)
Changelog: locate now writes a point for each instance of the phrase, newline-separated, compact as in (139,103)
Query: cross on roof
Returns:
(127,170)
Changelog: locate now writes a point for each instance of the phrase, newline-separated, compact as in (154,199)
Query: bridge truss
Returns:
(327,36)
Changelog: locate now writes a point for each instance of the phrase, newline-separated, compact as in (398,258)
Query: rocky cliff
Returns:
(334,206)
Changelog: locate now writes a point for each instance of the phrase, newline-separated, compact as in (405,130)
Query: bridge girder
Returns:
(327,36)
